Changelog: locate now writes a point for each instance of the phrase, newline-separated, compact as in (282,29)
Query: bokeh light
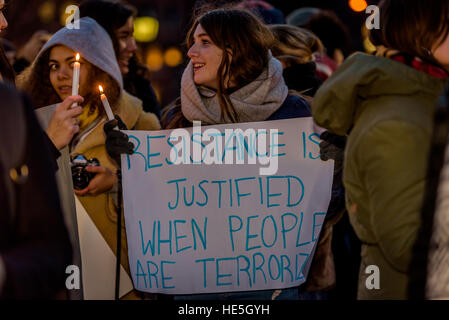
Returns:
(154,59)
(47,11)
(358,5)
(146,29)
(173,57)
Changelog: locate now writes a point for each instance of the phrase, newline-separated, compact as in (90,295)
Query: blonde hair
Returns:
(293,44)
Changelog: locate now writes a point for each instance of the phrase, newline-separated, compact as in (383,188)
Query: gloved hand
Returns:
(117,142)
(332,147)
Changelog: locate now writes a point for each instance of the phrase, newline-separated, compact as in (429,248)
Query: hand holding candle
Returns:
(106,105)
(76,77)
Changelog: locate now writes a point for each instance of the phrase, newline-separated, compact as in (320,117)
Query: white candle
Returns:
(106,105)
(76,77)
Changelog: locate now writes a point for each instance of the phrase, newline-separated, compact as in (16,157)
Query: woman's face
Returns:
(3,22)
(206,58)
(61,72)
(441,53)
(127,45)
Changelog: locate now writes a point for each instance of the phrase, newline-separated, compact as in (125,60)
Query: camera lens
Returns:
(80,178)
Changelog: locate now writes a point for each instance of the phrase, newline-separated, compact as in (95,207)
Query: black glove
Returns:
(338,141)
(332,147)
(117,142)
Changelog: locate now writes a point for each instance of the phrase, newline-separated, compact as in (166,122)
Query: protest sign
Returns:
(205,225)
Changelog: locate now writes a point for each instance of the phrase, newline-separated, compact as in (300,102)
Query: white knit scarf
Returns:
(256,101)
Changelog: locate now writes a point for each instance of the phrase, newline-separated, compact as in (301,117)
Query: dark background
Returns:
(174,17)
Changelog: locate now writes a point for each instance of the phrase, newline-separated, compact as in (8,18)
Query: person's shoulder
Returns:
(128,100)
(295,99)
(294,106)
(44,114)
(13,120)
(172,116)
(147,121)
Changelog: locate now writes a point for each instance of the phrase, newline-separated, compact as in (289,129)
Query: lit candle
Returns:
(106,105)
(76,77)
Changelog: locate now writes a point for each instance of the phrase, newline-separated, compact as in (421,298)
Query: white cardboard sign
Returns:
(203,228)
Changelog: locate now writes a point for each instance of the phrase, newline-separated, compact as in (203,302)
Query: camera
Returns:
(81,177)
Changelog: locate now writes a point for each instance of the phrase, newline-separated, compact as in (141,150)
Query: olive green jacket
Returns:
(387,108)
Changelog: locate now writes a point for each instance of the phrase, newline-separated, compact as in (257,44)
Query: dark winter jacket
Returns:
(34,244)
(302,77)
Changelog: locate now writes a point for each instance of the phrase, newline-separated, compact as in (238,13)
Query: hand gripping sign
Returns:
(225,208)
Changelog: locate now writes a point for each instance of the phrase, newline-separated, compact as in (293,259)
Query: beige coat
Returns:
(102,208)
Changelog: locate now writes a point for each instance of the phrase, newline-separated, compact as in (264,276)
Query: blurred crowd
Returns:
(385,116)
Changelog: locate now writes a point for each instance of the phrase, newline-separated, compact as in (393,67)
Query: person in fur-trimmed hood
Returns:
(49,81)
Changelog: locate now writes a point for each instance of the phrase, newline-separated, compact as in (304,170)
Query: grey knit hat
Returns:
(92,42)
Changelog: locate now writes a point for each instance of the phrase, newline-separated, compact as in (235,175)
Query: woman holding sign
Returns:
(386,103)
(50,79)
(232,77)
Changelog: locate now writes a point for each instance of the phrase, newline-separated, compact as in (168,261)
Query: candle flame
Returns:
(77,57)
(101,89)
